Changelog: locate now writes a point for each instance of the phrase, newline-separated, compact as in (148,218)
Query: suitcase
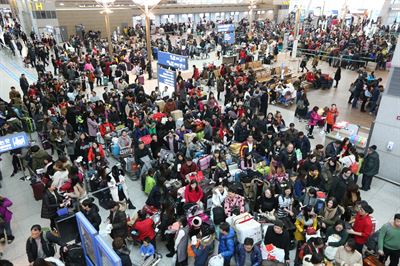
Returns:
(218,215)
(176,114)
(38,190)
(204,162)
(74,256)
(105,81)
(372,260)
(247,227)
(44,140)
(198,176)
(141,80)
(161,105)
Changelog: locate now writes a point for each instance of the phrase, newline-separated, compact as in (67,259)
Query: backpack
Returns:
(302,249)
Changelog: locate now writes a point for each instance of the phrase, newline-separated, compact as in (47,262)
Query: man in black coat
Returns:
(332,149)
(24,84)
(370,167)
(40,244)
(118,222)
(279,237)
(340,184)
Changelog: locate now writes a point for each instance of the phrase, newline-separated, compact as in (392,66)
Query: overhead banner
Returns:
(229,32)
(173,60)
(226,27)
(13,141)
(166,78)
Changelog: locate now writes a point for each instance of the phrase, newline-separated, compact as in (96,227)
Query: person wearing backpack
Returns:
(41,244)
(389,241)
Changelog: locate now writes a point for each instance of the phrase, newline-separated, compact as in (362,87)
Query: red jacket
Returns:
(362,224)
(104,126)
(145,229)
(91,155)
(193,196)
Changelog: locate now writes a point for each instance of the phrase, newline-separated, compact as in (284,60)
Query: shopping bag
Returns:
(146,139)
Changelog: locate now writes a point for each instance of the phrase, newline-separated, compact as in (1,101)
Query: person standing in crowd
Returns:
(122,251)
(24,84)
(389,241)
(181,243)
(226,246)
(362,225)
(248,253)
(41,244)
(331,117)
(91,212)
(6,216)
(338,76)
(51,202)
(117,221)
(369,168)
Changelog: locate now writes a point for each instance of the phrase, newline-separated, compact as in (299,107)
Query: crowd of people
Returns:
(226,183)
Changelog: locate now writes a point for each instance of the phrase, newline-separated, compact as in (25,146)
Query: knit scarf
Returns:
(329,213)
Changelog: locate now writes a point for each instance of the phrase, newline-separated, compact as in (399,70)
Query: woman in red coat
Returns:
(94,150)
(362,227)
(144,227)
(331,116)
(193,192)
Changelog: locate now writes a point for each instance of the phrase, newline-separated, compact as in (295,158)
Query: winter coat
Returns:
(314,118)
(119,223)
(226,246)
(38,159)
(236,202)
(331,116)
(193,196)
(255,256)
(4,211)
(201,254)
(181,247)
(92,127)
(114,188)
(370,166)
(339,188)
(50,204)
(93,217)
(47,245)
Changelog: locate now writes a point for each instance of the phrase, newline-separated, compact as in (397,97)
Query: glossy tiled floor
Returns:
(384,197)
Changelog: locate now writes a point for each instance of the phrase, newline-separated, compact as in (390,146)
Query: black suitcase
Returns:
(38,190)
(218,215)
(67,227)
(74,256)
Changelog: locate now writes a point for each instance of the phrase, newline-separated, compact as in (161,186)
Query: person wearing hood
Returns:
(340,184)
(226,246)
(370,167)
(122,251)
(91,212)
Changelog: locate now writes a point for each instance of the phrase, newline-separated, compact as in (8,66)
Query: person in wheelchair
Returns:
(125,143)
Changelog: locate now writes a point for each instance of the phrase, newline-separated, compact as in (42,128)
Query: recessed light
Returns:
(61,4)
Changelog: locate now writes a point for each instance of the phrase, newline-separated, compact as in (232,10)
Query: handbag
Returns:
(62,211)
(354,166)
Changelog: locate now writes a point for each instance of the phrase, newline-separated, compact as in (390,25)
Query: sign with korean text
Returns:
(13,141)
(166,78)
(173,60)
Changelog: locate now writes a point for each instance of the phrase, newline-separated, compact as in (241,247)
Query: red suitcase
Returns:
(38,190)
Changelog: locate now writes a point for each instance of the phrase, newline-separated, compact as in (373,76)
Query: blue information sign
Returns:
(166,78)
(226,27)
(107,256)
(13,141)
(229,37)
(87,233)
(173,60)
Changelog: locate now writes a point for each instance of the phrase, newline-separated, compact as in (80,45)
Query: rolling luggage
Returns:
(38,190)
(74,256)
(218,215)
(204,162)
(44,140)
(105,81)
(141,80)
(372,260)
